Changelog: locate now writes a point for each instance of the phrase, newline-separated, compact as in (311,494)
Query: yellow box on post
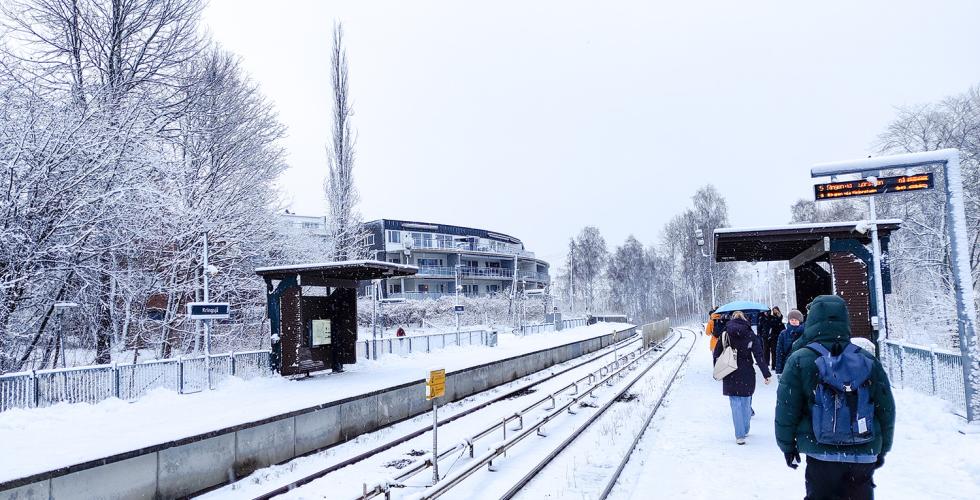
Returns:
(435,384)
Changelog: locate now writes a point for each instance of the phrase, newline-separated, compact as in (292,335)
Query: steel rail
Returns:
(622,464)
(427,428)
(568,441)
(452,480)
(379,489)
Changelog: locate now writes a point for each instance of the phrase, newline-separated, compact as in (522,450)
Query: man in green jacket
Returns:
(832,471)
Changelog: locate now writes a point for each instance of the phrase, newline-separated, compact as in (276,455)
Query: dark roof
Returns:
(762,244)
(358,270)
(433,227)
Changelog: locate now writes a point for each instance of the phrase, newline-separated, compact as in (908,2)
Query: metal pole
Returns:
(966,310)
(374,309)
(455,312)
(207,323)
(876,260)
(435,442)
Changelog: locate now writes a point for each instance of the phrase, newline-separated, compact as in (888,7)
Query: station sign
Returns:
(880,185)
(208,310)
(458,309)
(435,384)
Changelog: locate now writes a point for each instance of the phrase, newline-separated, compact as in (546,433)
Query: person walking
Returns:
(835,405)
(711,327)
(772,336)
(784,342)
(740,384)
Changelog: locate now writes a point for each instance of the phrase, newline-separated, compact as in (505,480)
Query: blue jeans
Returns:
(741,413)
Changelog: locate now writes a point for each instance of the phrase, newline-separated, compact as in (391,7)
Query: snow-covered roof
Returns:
(812,225)
(347,269)
(774,243)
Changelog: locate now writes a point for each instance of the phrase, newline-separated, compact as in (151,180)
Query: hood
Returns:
(827,321)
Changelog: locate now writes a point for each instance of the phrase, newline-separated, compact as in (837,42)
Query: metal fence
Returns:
(549,327)
(91,384)
(401,346)
(925,369)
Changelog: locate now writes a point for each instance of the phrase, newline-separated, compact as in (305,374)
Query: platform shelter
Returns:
(312,310)
(826,258)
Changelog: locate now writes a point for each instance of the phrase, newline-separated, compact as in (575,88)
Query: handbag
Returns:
(727,362)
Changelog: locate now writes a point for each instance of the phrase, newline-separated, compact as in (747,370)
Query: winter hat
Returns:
(795,314)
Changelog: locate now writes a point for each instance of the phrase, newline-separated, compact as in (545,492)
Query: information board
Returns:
(320,332)
(881,185)
(435,384)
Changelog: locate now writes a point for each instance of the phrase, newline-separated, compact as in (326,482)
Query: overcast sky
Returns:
(536,120)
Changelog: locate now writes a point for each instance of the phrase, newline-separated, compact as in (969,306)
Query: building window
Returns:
(493,264)
(395,260)
(493,288)
(471,263)
(310,225)
(369,239)
(471,289)
(430,262)
(423,288)
(444,241)
(156,314)
(395,288)
(394,237)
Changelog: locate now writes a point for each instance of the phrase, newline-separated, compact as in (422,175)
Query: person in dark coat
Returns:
(772,336)
(740,384)
(844,471)
(784,343)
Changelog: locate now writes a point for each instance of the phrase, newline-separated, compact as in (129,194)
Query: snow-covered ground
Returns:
(41,439)
(690,450)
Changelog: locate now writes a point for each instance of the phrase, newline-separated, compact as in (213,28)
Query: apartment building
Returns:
(484,262)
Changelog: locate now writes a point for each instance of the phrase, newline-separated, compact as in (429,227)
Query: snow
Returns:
(341,264)
(82,432)
(690,451)
(812,225)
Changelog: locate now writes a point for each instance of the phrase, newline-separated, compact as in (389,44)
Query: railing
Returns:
(466,271)
(428,295)
(91,384)
(401,346)
(549,327)
(925,369)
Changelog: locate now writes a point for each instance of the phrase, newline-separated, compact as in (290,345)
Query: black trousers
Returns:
(838,480)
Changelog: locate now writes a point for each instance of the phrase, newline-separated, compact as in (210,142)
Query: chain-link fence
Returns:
(91,384)
(925,369)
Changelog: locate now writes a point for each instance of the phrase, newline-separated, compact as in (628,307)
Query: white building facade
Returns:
(483,262)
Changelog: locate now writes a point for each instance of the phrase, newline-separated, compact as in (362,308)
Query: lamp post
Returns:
(711,274)
(59,310)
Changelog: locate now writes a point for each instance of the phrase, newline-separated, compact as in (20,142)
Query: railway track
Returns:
(515,481)
(520,393)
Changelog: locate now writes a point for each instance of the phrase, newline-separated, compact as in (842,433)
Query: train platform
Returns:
(42,440)
(690,451)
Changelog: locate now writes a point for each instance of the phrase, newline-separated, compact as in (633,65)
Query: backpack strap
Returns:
(818,348)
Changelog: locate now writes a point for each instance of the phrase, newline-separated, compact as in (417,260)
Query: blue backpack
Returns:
(843,413)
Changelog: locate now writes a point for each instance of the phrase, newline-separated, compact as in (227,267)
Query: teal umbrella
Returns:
(742,305)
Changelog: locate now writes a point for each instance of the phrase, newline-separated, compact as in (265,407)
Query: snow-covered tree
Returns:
(344,224)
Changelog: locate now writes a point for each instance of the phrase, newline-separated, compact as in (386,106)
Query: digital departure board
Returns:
(864,187)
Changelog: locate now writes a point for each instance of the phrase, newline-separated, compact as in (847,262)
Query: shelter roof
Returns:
(358,270)
(760,244)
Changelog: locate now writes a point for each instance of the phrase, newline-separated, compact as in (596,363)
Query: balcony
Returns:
(466,272)
(429,295)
